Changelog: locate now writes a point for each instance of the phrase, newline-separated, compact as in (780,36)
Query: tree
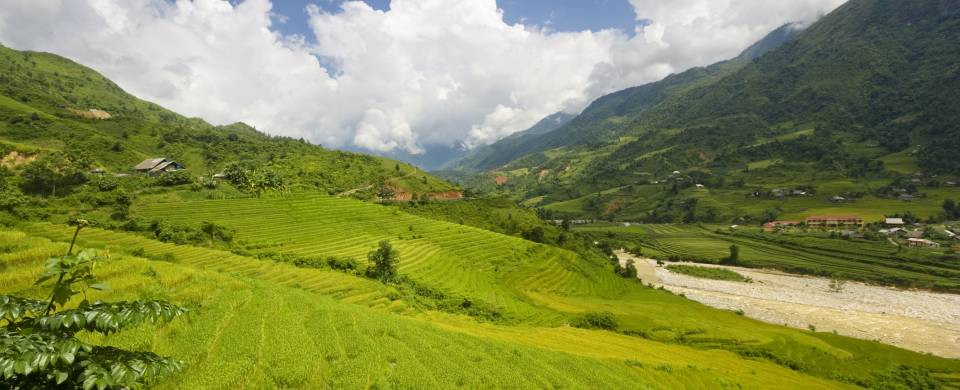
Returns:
(565,224)
(385,261)
(950,209)
(215,231)
(38,345)
(734,255)
(535,234)
(58,170)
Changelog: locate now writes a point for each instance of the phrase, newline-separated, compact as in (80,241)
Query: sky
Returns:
(391,75)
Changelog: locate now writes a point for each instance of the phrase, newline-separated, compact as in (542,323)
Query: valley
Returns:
(787,218)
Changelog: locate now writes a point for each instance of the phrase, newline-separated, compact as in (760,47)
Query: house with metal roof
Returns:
(157,165)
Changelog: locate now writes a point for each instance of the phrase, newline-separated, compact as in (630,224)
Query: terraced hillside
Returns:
(249,332)
(488,268)
(871,261)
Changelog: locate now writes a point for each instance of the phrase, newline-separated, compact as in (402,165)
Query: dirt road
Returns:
(916,320)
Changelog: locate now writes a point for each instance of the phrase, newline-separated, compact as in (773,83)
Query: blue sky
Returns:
(558,15)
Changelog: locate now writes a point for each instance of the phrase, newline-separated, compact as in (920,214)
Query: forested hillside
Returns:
(49,104)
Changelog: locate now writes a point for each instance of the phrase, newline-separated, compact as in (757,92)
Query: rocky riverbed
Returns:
(916,320)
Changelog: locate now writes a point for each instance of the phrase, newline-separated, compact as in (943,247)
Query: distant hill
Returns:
(50,103)
(866,94)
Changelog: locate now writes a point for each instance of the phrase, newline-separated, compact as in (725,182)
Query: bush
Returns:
(596,320)
(343,264)
(174,178)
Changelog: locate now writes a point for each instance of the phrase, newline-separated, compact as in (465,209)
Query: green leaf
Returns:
(100,287)
(61,376)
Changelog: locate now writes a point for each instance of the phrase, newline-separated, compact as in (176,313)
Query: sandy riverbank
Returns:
(916,320)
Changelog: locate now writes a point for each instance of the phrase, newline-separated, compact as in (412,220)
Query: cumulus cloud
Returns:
(424,72)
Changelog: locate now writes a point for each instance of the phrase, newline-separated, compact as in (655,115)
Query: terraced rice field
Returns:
(248,332)
(262,324)
(458,260)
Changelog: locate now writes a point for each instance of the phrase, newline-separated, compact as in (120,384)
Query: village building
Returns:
(700,186)
(837,199)
(915,234)
(834,221)
(893,222)
(157,165)
(922,243)
(774,225)
(905,197)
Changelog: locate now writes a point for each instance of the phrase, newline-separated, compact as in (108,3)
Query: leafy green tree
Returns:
(38,344)
(58,170)
(385,261)
(734,255)
(950,209)
(535,234)
(215,232)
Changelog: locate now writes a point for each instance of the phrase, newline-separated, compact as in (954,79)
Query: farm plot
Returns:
(459,260)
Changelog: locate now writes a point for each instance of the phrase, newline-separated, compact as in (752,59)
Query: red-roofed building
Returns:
(834,221)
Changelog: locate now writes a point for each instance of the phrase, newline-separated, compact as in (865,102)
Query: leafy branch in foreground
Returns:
(38,344)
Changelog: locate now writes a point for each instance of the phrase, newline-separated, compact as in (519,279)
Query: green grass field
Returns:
(707,273)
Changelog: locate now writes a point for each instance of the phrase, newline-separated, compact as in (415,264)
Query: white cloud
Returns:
(426,71)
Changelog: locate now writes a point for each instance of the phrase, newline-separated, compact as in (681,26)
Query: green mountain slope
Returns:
(45,103)
(850,106)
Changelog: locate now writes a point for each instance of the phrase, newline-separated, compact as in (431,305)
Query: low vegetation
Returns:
(708,273)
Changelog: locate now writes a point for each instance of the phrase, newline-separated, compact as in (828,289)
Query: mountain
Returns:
(862,97)
(504,150)
(606,117)
(49,103)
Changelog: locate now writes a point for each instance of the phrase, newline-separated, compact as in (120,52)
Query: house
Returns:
(892,232)
(799,193)
(220,176)
(893,222)
(915,234)
(837,199)
(98,171)
(949,233)
(773,225)
(157,165)
(834,221)
(676,172)
(905,197)
(922,242)
(700,186)
(951,184)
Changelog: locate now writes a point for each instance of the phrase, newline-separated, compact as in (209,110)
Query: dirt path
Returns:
(916,320)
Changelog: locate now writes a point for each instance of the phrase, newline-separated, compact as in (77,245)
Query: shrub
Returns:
(343,263)
(174,178)
(596,320)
